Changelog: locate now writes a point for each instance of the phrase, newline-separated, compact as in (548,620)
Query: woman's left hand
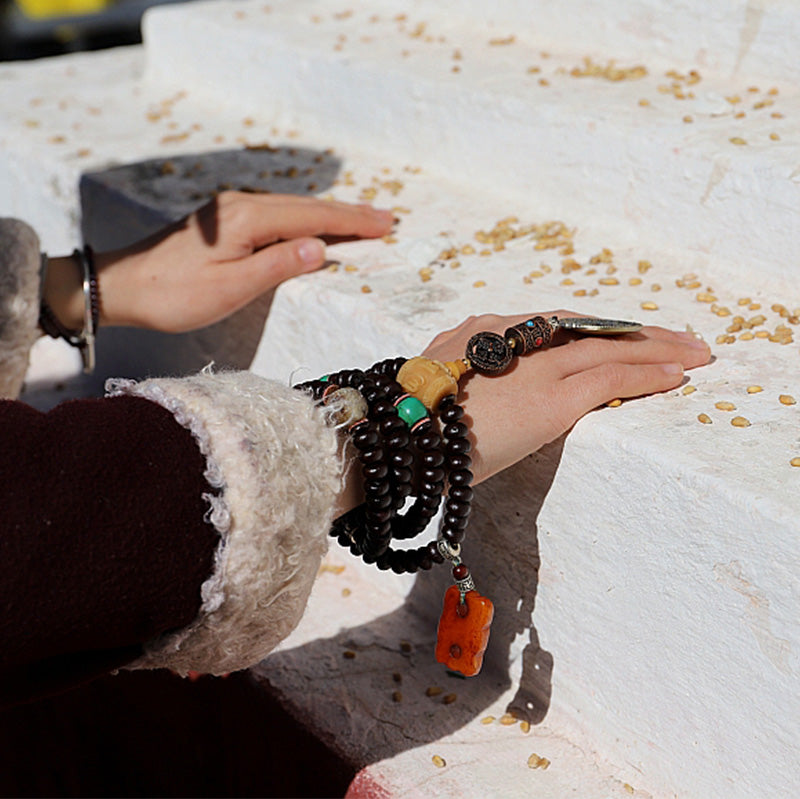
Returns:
(212,263)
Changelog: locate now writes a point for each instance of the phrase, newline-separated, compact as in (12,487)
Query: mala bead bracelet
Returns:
(404,422)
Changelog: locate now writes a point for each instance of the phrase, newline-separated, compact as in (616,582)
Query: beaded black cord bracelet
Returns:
(84,340)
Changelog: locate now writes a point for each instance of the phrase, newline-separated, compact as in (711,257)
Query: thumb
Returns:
(279,262)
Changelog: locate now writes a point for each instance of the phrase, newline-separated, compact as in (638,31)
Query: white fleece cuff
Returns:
(19,302)
(274,459)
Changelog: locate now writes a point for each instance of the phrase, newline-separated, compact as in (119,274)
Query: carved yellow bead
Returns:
(428,380)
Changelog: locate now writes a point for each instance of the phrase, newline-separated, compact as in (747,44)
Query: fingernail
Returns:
(672,368)
(311,252)
(693,339)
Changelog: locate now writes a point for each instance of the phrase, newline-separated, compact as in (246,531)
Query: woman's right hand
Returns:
(545,392)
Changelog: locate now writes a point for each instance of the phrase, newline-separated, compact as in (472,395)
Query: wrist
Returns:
(63,291)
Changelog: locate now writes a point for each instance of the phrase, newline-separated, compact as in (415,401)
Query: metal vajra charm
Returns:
(491,354)
(597,327)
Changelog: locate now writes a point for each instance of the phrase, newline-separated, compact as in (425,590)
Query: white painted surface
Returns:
(667,595)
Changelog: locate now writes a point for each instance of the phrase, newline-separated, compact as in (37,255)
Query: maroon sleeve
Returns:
(103,544)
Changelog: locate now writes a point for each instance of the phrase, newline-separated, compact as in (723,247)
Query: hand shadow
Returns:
(374,690)
(125,204)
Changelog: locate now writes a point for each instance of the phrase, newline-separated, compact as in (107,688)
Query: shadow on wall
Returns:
(396,651)
(125,204)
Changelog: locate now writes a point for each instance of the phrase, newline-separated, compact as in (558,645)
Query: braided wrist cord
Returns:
(84,340)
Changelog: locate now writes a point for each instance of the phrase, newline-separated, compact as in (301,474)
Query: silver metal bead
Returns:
(467,584)
(447,550)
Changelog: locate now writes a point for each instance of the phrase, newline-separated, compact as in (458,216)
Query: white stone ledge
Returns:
(666,594)
(585,143)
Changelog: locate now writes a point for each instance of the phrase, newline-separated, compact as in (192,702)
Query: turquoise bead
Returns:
(411,410)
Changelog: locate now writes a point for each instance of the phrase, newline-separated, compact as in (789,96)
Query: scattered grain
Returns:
(787,399)
(746,336)
(507,719)
(433,690)
(365,289)
(525,726)
(644,266)
(725,406)
(774,137)
(608,72)
(705,296)
(649,306)
(348,654)
(405,647)
(704,418)
(438,761)
(397,696)
(614,403)
(628,787)
(754,389)
(479,284)
(794,462)
(448,699)
(504,40)
(686,390)
(688,119)
(397,677)
(534,761)
(635,281)
(738,140)
(644,102)
(740,421)
(608,281)
(487,720)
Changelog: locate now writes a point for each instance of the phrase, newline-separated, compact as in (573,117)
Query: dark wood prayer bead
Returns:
(434,475)
(376,488)
(455,430)
(450,414)
(375,471)
(461,461)
(461,477)
(373,455)
(398,440)
(451,520)
(461,493)
(402,474)
(452,536)
(459,509)
(365,439)
(432,459)
(458,446)
(433,553)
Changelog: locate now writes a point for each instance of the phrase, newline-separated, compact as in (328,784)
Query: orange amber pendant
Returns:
(464,631)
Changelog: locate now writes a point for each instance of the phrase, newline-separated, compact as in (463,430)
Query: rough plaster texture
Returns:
(661,658)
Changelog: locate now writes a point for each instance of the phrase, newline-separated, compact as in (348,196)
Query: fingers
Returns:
(580,393)
(266,268)
(264,219)
(652,348)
